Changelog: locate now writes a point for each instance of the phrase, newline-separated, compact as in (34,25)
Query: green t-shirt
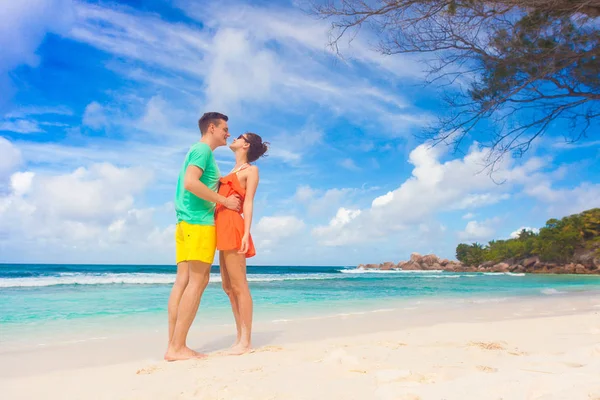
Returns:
(188,206)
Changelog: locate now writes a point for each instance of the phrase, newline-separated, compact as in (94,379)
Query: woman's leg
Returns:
(236,269)
(226,283)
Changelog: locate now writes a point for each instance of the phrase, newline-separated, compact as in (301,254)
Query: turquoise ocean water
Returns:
(36,300)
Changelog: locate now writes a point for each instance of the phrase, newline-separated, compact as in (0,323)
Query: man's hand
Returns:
(233,202)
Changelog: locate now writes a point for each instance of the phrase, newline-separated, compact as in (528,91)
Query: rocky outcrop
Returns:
(387,266)
(530,261)
(588,263)
(369,266)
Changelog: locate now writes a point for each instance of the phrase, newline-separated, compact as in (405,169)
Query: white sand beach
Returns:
(523,348)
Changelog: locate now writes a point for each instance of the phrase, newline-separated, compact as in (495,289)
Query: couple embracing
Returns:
(209,217)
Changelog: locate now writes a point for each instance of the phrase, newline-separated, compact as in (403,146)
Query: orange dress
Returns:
(229,224)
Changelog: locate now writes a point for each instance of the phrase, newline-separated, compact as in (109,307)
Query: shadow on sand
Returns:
(259,339)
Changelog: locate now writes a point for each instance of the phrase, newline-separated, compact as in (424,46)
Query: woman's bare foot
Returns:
(238,350)
(184,354)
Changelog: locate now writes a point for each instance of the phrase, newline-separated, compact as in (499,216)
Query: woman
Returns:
(234,241)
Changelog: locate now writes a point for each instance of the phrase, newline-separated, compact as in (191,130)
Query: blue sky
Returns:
(100,102)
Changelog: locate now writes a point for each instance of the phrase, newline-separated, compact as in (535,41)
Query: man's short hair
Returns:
(210,118)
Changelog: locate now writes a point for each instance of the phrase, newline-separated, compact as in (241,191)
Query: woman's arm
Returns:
(251,185)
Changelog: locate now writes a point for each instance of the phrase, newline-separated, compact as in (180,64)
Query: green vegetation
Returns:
(556,242)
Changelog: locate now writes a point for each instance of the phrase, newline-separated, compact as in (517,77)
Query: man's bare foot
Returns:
(184,354)
(238,350)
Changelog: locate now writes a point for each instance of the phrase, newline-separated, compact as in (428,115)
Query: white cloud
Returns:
(343,217)
(334,234)
(98,192)
(480,199)
(285,155)
(239,70)
(349,164)
(23,25)
(125,229)
(20,182)
(137,117)
(290,147)
(563,145)
(374,163)
(478,231)
(238,62)
(94,195)
(305,193)
(140,37)
(272,230)
(279,226)
(383,200)
(434,187)
(319,203)
(401,124)
(89,212)
(358,101)
(94,116)
(39,110)
(516,233)
(563,202)
(303,77)
(154,117)
(28,119)
(468,216)
(20,126)
(294,26)
(10,158)
(166,120)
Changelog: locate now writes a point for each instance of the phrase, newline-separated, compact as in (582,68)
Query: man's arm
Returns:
(191,183)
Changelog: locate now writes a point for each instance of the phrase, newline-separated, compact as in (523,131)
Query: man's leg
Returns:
(236,269)
(181,278)
(199,274)
(226,282)
(181,281)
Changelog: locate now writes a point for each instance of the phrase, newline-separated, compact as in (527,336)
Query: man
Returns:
(195,235)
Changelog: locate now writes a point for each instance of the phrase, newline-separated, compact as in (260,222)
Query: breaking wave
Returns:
(389,271)
(135,279)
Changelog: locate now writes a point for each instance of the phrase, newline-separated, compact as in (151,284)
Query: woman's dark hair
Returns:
(257,147)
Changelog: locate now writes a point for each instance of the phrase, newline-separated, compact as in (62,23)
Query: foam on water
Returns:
(87,279)
(389,271)
(135,279)
(504,273)
(551,291)
(69,278)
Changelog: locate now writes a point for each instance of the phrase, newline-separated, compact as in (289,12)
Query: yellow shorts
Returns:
(195,242)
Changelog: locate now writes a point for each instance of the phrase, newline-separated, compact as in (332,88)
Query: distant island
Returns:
(570,245)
